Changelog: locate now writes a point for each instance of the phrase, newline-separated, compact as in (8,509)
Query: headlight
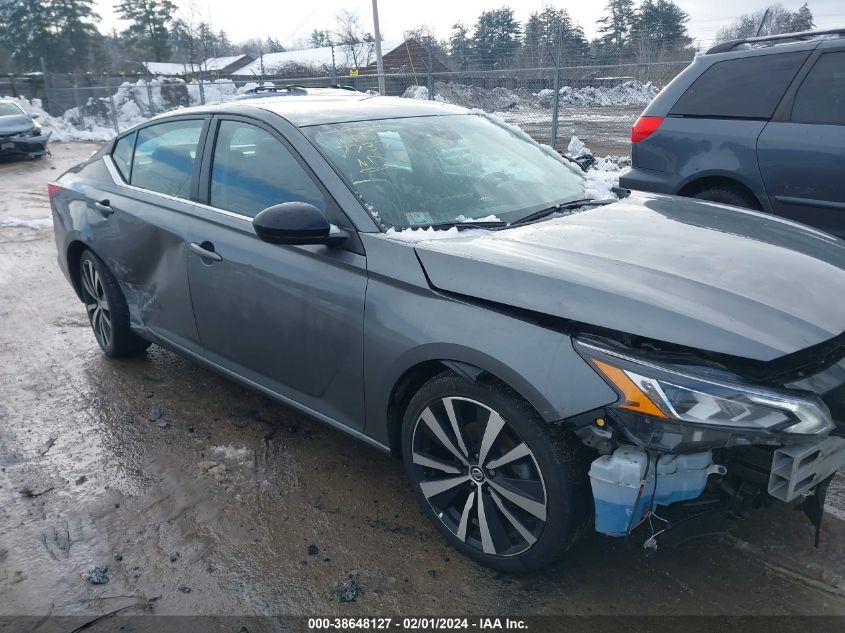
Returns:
(36,130)
(671,394)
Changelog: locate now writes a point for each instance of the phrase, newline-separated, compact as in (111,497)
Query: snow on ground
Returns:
(630,93)
(37,224)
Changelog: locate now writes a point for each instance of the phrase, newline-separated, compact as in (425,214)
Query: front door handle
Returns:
(206,251)
(104,207)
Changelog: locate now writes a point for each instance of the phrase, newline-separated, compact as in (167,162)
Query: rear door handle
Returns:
(104,207)
(206,251)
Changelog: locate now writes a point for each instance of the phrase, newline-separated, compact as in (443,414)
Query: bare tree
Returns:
(356,44)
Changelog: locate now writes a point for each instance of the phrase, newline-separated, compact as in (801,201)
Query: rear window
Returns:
(821,97)
(746,88)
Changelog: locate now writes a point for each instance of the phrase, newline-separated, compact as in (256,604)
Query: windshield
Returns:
(442,169)
(7,109)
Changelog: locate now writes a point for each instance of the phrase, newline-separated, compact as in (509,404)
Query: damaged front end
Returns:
(706,435)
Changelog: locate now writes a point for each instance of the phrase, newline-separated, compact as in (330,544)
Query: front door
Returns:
(289,318)
(802,159)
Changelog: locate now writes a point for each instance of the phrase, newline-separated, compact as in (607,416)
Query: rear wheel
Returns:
(726,195)
(499,483)
(107,311)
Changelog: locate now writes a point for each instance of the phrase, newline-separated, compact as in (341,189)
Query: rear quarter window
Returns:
(821,97)
(122,155)
(745,88)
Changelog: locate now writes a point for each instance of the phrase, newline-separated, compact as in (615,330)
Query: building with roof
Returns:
(316,61)
(224,66)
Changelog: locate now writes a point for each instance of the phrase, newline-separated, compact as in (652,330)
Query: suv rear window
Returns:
(821,97)
(745,88)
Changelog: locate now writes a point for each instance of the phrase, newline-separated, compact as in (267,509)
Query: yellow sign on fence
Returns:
(353,72)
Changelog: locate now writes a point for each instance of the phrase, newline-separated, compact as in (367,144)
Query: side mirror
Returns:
(296,223)
(35,115)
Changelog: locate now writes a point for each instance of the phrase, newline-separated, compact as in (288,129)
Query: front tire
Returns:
(501,485)
(107,311)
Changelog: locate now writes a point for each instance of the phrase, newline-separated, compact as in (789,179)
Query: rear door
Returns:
(141,224)
(288,318)
(802,155)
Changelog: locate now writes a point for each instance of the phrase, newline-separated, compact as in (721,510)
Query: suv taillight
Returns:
(645,127)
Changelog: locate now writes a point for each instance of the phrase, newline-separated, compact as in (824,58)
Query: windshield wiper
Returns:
(563,206)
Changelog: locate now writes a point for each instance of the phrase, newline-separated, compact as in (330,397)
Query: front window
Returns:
(9,109)
(422,171)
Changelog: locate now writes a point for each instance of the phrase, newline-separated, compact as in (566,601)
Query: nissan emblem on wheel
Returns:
(545,354)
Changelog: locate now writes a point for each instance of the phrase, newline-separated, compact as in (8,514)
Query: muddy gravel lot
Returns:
(156,486)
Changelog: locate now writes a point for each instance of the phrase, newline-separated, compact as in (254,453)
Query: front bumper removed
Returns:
(631,483)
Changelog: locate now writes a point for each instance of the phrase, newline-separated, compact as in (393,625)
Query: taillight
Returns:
(645,127)
(53,189)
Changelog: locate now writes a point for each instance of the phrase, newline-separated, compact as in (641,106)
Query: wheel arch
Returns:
(73,256)
(700,182)
(415,376)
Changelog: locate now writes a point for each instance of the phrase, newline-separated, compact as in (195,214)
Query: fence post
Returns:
(430,77)
(150,96)
(555,106)
(202,92)
(112,109)
(76,95)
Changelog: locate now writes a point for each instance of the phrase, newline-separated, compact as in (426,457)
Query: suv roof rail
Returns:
(804,35)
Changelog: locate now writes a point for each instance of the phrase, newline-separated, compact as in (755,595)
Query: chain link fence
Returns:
(539,100)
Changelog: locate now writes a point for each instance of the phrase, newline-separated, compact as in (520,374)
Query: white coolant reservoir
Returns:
(625,487)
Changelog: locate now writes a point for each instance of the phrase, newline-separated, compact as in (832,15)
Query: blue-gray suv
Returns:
(756,123)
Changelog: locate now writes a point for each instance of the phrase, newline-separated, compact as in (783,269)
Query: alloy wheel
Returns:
(479,477)
(96,303)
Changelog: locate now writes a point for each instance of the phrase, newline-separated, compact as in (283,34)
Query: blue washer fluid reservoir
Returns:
(616,480)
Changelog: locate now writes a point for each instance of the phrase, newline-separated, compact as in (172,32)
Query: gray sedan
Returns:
(543,353)
(20,133)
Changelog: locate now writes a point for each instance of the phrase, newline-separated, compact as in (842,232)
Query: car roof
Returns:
(339,106)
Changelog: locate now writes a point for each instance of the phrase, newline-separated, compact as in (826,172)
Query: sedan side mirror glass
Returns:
(296,223)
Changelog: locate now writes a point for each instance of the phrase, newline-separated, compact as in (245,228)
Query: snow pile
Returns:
(630,93)
(37,224)
(62,128)
(134,103)
(230,452)
(600,174)
(489,100)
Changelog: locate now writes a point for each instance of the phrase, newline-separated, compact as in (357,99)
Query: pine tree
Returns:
(73,25)
(460,46)
(496,38)
(273,46)
(532,41)
(25,31)
(147,32)
(224,46)
(615,26)
(658,29)
(319,38)
(802,19)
